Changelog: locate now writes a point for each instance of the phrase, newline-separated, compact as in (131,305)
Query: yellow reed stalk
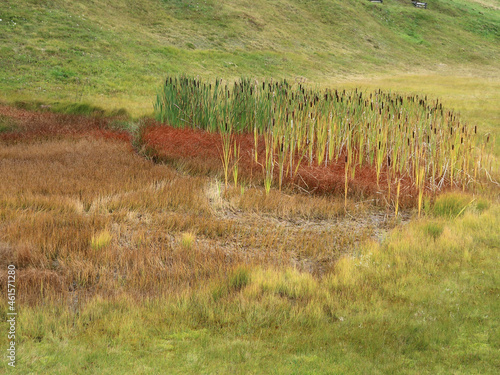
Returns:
(269,161)
(235,166)
(226,154)
(421,186)
(256,142)
(397,197)
(346,182)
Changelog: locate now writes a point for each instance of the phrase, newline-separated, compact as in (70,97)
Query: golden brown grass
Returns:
(84,216)
(287,206)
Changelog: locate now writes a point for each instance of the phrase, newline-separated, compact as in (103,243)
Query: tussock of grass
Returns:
(187,240)
(239,278)
(434,229)
(6,124)
(101,240)
(283,283)
(86,109)
(451,205)
(65,201)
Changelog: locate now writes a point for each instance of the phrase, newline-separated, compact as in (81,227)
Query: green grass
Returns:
(71,108)
(450,205)
(6,124)
(69,51)
(239,279)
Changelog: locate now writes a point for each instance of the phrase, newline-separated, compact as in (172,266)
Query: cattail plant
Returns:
(397,198)
(269,161)
(346,180)
(226,150)
(402,137)
(236,156)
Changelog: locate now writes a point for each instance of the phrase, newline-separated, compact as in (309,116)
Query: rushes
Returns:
(236,161)
(397,198)
(269,162)
(226,152)
(403,138)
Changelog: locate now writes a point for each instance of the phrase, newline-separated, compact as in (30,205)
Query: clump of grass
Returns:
(482,205)
(290,283)
(71,108)
(239,278)
(450,205)
(219,291)
(6,124)
(101,240)
(78,109)
(187,240)
(124,125)
(120,112)
(433,229)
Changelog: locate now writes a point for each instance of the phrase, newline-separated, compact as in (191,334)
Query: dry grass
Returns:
(59,197)
(285,206)
(86,216)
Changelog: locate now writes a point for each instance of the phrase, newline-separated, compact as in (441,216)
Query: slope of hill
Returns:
(61,50)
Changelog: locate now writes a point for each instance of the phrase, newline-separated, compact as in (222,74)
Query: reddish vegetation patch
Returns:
(31,125)
(201,151)
(110,134)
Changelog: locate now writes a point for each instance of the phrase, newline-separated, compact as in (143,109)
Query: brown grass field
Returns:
(83,214)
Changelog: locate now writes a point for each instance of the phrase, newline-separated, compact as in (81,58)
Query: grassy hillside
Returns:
(117,52)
